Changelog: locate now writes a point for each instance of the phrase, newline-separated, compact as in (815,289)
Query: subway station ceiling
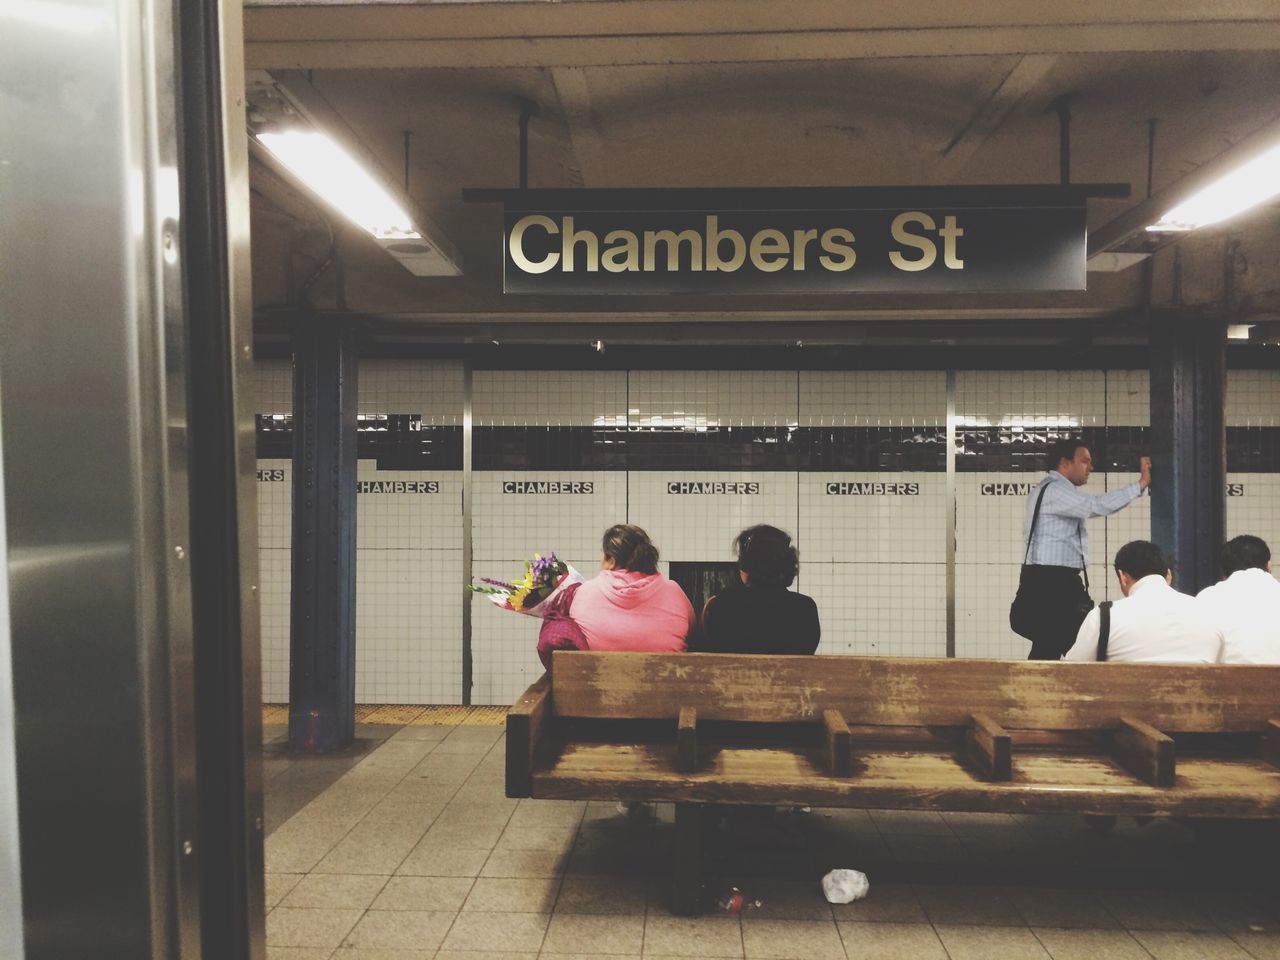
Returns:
(648,93)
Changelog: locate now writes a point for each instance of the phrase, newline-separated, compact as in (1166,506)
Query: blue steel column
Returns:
(1188,443)
(322,645)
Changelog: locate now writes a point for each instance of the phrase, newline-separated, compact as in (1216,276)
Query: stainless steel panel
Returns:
(235,161)
(92,398)
(10,865)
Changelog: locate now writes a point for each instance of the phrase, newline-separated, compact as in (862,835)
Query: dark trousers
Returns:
(1063,602)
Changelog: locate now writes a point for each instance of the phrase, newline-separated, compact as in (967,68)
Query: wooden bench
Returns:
(896,733)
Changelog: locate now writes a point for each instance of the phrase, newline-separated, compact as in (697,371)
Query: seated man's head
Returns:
(1138,559)
(627,547)
(1245,552)
(766,557)
(1071,458)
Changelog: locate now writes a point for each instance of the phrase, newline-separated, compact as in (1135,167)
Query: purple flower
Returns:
(499,583)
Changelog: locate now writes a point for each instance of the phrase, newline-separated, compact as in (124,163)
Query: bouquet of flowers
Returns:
(544,578)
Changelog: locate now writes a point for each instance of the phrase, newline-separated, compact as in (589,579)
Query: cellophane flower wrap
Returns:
(544,578)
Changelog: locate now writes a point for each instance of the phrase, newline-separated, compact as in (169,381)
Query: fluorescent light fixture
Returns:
(1247,186)
(1238,331)
(318,161)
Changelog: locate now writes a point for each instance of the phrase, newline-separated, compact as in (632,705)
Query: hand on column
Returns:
(1144,474)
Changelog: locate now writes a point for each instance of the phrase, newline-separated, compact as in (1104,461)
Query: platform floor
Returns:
(405,848)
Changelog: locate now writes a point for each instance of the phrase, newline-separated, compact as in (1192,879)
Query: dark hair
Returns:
(766,555)
(1141,558)
(1244,553)
(1064,449)
(630,548)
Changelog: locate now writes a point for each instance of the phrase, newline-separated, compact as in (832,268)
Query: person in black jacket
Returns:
(761,615)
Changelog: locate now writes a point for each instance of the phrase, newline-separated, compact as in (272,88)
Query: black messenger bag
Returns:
(1029,616)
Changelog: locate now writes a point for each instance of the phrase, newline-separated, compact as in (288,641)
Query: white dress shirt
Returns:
(1246,607)
(1154,624)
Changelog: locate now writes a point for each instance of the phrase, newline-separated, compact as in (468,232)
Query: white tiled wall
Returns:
(873,398)
(409,548)
(1069,399)
(1128,398)
(408,588)
(271,387)
(549,398)
(694,399)
(1253,398)
(873,560)
(1253,499)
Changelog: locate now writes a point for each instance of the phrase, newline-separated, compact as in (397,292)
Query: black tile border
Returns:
(401,442)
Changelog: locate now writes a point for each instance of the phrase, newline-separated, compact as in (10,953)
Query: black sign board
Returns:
(802,240)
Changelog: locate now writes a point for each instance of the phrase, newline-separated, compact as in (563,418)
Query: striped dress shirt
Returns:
(1061,538)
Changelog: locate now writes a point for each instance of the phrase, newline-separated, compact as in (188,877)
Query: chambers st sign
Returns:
(803,240)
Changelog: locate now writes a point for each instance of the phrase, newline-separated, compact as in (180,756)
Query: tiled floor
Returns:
(405,847)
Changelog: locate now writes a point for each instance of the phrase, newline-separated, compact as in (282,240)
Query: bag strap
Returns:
(1104,629)
(1035,516)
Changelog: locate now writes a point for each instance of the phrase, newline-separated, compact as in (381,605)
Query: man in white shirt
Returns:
(1246,604)
(1153,623)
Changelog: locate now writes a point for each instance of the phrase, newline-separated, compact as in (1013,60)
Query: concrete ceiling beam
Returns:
(617,32)
(1013,89)
(584,136)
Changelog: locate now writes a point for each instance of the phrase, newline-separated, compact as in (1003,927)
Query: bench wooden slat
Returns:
(989,747)
(839,744)
(916,692)
(526,721)
(1145,752)
(687,740)
(924,780)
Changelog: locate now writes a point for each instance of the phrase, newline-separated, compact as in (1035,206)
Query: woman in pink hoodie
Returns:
(630,605)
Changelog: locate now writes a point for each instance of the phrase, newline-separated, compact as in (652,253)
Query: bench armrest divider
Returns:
(839,744)
(1144,751)
(989,747)
(526,722)
(687,740)
(1271,743)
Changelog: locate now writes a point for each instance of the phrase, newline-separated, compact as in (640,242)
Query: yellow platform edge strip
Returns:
(407,714)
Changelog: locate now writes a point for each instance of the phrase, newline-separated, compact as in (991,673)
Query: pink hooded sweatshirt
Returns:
(626,610)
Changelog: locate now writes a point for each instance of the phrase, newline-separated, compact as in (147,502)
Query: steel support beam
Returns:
(227,658)
(1188,443)
(322,690)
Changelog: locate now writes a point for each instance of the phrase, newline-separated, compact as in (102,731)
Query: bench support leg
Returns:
(1271,743)
(686,893)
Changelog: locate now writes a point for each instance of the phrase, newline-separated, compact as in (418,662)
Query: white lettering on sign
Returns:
(1007,489)
(712,487)
(928,250)
(397,486)
(712,249)
(543,487)
(873,489)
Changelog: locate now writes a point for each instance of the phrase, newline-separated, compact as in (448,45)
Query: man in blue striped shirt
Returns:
(1058,548)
